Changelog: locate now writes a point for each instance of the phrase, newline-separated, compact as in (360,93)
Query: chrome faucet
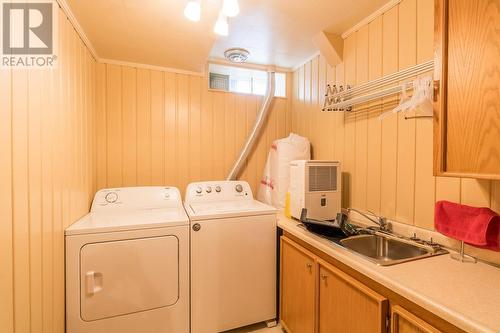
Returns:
(380,221)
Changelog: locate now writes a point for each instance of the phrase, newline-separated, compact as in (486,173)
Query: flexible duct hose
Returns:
(261,117)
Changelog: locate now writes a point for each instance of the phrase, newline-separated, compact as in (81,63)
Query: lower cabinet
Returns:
(406,322)
(298,284)
(317,297)
(346,305)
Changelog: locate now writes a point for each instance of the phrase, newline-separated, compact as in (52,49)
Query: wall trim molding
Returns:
(83,36)
(150,67)
(356,27)
(78,28)
(302,63)
(220,61)
(371,17)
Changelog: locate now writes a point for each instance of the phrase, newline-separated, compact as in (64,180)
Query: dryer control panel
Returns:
(147,197)
(212,191)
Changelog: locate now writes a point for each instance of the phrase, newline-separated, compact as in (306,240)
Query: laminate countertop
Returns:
(464,294)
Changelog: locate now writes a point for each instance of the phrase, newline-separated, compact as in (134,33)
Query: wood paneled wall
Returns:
(387,164)
(162,128)
(47,180)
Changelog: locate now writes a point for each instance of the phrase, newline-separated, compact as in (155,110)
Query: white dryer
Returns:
(233,256)
(127,264)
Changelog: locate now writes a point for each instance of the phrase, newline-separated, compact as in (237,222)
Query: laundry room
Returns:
(249,166)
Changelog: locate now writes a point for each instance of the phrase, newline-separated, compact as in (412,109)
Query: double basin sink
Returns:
(385,249)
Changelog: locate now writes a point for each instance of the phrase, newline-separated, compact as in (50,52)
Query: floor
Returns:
(257,328)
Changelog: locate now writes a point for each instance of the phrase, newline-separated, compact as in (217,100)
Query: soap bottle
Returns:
(287,205)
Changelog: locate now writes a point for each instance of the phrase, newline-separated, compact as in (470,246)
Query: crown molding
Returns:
(370,17)
(150,67)
(78,28)
(356,27)
(302,63)
(74,22)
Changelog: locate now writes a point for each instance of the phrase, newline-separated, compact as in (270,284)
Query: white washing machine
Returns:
(233,256)
(127,264)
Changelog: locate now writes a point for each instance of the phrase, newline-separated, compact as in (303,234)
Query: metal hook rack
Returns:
(331,97)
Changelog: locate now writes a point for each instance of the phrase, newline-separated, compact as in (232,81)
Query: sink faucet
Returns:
(380,221)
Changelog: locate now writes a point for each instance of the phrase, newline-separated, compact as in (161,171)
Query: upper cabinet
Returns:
(467,88)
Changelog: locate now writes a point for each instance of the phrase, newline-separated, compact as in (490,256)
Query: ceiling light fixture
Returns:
(221,26)
(193,10)
(236,54)
(230,8)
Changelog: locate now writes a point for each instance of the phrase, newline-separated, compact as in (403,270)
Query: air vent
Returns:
(322,178)
(219,81)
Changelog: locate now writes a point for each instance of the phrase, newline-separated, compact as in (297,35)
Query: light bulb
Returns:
(230,8)
(221,26)
(193,10)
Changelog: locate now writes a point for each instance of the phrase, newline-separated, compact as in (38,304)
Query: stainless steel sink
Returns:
(386,250)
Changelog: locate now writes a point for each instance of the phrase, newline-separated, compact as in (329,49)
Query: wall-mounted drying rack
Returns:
(340,98)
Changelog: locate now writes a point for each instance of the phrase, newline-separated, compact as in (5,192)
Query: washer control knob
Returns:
(218,189)
(111,197)
(239,188)
(199,190)
(209,189)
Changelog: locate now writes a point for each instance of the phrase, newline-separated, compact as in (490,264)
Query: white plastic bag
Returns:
(276,179)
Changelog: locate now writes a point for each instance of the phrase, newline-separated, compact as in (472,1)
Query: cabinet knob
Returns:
(309,266)
(324,276)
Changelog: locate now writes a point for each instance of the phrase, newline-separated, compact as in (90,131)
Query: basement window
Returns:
(244,80)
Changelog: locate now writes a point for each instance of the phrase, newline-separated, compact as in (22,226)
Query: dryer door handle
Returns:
(93,282)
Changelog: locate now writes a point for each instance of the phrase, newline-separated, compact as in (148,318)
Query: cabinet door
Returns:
(467,103)
(298,276)
(346,305)
(405,322)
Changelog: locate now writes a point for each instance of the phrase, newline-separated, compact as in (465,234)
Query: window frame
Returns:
(250,67)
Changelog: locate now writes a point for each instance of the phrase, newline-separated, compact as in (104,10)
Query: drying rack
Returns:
(343,98)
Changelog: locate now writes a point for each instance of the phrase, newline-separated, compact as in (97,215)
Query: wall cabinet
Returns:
(467,93)
(406,322)
(317,296)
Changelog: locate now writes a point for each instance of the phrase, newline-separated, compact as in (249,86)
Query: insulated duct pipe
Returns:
(254,134)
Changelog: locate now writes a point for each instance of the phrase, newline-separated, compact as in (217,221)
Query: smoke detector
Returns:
(236,54)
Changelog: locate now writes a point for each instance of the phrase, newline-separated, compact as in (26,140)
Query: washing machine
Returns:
(233,256)
(127,264)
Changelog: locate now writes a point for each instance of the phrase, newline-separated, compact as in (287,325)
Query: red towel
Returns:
(476,226)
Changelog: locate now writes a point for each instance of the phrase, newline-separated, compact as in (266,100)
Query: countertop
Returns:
(464,294)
